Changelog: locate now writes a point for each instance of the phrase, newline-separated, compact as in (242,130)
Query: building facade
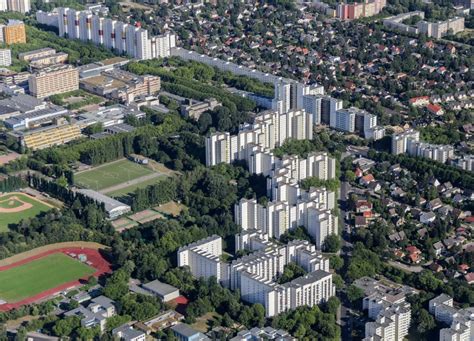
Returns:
(13,32)
(125,38)
(5,57)
(255,274)
(54,80)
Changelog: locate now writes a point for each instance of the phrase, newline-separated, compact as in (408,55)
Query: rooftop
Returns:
(159,288)
(109,203)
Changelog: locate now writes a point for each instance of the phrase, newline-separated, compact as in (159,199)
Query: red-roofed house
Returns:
(419,101)
(358,173)
(469,219)
(367,179)
(469,278)
(363,206)
(414,254)
(435,109)
(463,268)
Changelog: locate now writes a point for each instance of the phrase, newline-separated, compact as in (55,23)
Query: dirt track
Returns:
(42,249)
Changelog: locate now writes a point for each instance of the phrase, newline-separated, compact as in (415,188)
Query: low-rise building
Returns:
(95,314)
(36,118)
(30,55)
(127,333)
(162,290)
(195,109)
(162,321)
(184,332)
(121,85)
(267,333)
(113,208)
(60,132)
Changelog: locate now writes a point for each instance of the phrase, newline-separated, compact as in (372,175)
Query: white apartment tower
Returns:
(400,141)
(460,321)
(22,6)
(125,38)
(5,57)
(203,259)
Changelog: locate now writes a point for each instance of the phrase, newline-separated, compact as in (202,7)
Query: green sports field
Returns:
(12,201)
(45,273)
(130,189)
(110,174)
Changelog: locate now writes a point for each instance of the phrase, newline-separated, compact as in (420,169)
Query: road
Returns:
(404,267)
(345,319)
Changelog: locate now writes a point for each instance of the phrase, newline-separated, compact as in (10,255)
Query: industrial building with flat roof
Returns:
(60,132)
(36,118)
(108,116)
(19,104)
(121,85)
(164,291)
(113,208)
(95,69)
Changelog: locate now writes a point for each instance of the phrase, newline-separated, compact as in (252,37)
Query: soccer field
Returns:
(110,174)
(17,206)
(39,275)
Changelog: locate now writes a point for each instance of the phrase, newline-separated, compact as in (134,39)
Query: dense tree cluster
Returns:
(12,183)
(194,82)
(311,323)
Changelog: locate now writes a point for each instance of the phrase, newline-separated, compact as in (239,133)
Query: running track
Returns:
(93,256)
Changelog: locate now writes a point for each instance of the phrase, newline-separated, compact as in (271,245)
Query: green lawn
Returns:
(130,189)
(110,174)
(39,275)
(15,217)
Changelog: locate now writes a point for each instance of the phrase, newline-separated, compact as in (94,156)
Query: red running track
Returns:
(94,258)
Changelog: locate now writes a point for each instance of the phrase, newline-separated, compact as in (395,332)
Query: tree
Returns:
(354,293)
(425,322)
(259,314)
(65,327)
(332,243)
(336,262)
(117,285)
(349,176)
(116,321)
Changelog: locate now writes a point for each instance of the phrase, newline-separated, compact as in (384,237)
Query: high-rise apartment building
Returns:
(400,141)
(254,275)
(269,130)
(356,10)
(466,162)
(387,306)
(357,120)
(125,38)
(288,94)
(460,321)
(204,259)
(5,57)
(54,80)
(22,6)
(344,120)
(13,32)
